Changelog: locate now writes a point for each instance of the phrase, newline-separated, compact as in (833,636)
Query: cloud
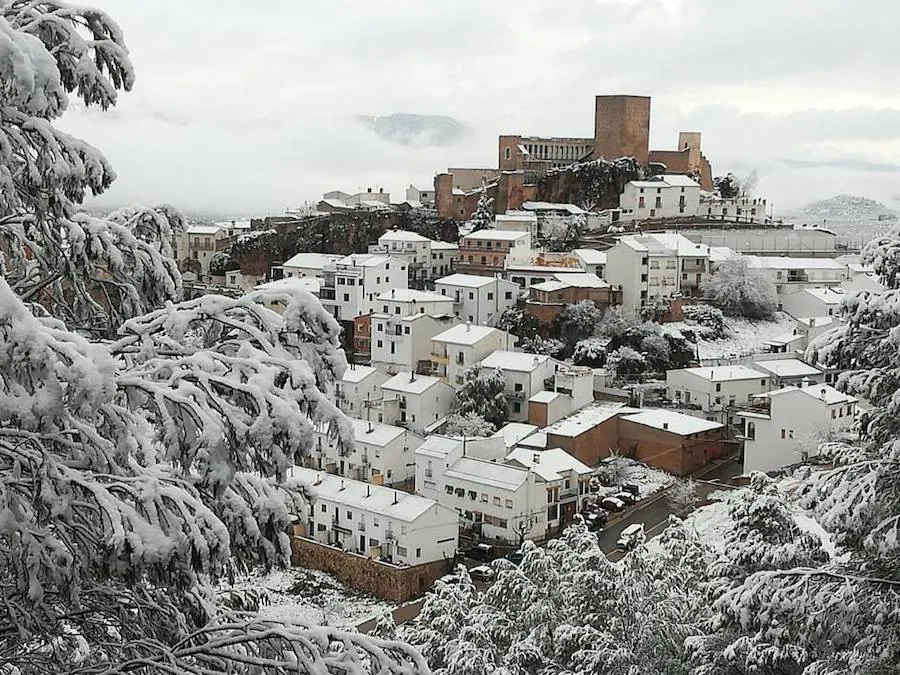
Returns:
(237,109)
(849,164)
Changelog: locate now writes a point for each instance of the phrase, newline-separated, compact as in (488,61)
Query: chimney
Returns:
(395,496)
(381,191)
(468,326)
(804,383)
(412,376)
(823,393)
(342,483)
(536,457)
(368,490)
(370,429)
(393,293)
(812,322)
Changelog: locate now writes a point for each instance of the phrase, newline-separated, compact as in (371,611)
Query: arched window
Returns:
(508,153)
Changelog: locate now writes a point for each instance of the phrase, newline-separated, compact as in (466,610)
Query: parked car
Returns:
(626,497)
(631,536)
(482,573)
(631,488)
(596,520)
(516,558)
(482,552)
(450,579)
(612,504)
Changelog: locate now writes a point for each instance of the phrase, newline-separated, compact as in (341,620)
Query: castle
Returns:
(621,129)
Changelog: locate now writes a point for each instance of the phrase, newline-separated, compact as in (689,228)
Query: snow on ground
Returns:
(312,598)
(744,337)
(648,479)
(712,523)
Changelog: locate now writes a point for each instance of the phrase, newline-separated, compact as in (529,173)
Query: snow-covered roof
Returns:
(515,216)
(363,260)
(673,422)
(830,296)
(815,321)
(683,246)
(466,280)
(367,497)
(550,286)
(373,204)
(587,418)
(444,246)
(205,229)
(373,433)
(679,180)
(783,340)
(581,279)
(822,392)
(545,396)
(402,235)
(355,374)
(412,295)
(648,184)
(497,235)
(458,192)
(725,373)
(549,206)
(234,224)
(336,203)
(537,440)
(513,432)
(311,284)
(411,385)
(722,253)
(464,334)
(438,446)
(788,368)
(590,256)
(551,464)
(515,361)
(311,260)
(487,473)
(784,263)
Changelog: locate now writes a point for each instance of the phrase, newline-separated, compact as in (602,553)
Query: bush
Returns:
(591,352)
(739,290)
(706,316)
(626,361)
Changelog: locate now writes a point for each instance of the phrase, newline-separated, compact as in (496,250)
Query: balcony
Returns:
(693,266)
(801,277)
(549,383)
(517,395)
(361,526)
(389,535)
(442,359)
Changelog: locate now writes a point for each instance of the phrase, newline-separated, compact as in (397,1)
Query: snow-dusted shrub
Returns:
(520,323)
(483,392)
(548,346)
(468,424)
(577,322)
(590,352)
(739,290)
(626,361)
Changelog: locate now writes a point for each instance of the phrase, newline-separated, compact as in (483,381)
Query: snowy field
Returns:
(744,337)
(648,479)
(312,598)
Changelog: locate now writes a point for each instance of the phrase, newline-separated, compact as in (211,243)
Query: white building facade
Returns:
(358,390)
(672,196)
(354,283)
(401,343)
(478,299)
(415,402)
(716,390)
(526,374)
(456,350)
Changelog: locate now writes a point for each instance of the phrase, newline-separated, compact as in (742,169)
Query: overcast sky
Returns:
(246,108)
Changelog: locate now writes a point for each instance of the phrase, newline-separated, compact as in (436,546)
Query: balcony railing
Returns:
(389,535)
(361,526)
(443,359)
(549,383)
(517,395)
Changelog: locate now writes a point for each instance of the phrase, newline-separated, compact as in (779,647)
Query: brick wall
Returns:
(389,582)
(622,127)
(667,451)
(591,446)
(537,414)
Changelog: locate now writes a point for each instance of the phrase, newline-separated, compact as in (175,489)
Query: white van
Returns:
(631,536)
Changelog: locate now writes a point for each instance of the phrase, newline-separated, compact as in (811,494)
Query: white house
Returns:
(308,265)
(411,247)
(495,501)
(381,454)
(571,388)
(670,196)
(199,243)
(415,402)
(823,301)
(444,256)
(457,349)
(407,301)
(811,327)
(592,261)
(565,480)
(790,372)
(656,266)
(859,277)
(793,274)
(378,521)
(354,283)
(737,209)
(479,299)
(526,374)
(402,342)
(716,390)
(423,197)
(798,419)
(518,221)
(358,389)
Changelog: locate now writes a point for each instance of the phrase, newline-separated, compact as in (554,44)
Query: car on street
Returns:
(515,557)
(631,489)
(626,497)
(630,537)
(482,552)
(482,573)
(612,504)
(596,520)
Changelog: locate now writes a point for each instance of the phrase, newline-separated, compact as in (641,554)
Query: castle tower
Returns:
(622,127)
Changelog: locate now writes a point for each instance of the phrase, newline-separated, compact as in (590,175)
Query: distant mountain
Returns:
(420,131)
(847,207)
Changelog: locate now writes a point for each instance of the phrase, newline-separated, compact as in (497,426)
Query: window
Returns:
(484,498)
(517,386)
(719,387)
(349,515)
(403,529)
(509,295)
(566,484)
(762,383)
(401,550)
(448,489)
(496,501)
(783,433)
(473,495)
(406,330)
(341,281)
(380,343)
(320,527)
(418,553)
(833,414)
(346,297)
(751,431)
(490,296)
(517,407)
(507,153)
(472,295)
(324,508)
(509,503)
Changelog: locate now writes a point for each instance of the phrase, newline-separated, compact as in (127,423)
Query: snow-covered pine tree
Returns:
(578,322)
(483,216)
(483,392)
(91,272)
(469,424)
(739,290)
(524,325)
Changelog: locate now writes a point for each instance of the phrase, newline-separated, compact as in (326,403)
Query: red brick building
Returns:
(362,337)
(546,300)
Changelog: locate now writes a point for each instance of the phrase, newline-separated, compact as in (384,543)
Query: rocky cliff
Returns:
(591,185)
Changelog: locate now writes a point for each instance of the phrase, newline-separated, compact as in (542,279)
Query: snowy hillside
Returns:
(846,208)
